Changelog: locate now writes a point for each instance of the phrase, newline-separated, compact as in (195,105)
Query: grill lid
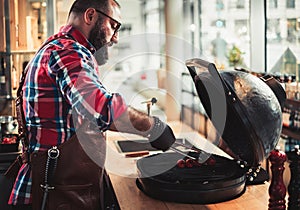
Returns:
(243,108)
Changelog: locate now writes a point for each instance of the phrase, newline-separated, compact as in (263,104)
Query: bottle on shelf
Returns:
(2,77)
(286,112)
(14,78)
(292,120)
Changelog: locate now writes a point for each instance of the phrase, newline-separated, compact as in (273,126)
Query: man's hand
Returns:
(161,135)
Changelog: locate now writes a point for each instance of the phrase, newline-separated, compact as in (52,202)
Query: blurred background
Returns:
(157,36)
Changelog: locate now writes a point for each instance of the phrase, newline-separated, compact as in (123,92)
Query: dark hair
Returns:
(80,6)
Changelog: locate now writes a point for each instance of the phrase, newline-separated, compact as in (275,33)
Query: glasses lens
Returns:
(118,26)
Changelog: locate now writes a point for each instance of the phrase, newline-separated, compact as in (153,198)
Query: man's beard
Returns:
(98,39)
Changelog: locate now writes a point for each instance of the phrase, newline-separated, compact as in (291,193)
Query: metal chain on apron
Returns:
(51,165)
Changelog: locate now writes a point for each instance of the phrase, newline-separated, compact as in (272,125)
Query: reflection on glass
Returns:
(224,34)
(283,37)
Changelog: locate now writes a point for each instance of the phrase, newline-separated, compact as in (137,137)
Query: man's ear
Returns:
(90,16)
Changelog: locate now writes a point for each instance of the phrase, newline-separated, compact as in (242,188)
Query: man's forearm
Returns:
(133,121)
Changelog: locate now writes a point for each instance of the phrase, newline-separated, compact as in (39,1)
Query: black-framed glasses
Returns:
(117,27)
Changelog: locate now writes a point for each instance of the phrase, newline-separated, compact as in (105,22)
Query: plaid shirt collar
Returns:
(76,35)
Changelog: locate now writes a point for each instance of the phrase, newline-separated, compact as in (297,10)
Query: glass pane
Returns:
(225,38)
(150,5)
(273,3)
(152,22)
(62,9)
(283,37)
(153,26)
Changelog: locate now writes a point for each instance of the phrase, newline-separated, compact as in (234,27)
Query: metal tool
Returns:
(188,146)
(205,145)
(182,153)
(201,145)
(149,103)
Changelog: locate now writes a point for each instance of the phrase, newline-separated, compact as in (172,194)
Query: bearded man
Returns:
(62,90)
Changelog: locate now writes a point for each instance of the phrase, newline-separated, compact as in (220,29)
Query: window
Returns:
(273,4)
(154,24)
(240,4)
(223,31)
(219,5)
(290,3)
(283,38)
(273,30)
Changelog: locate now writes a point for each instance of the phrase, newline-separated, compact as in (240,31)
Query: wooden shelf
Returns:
(291,133)
(292,104)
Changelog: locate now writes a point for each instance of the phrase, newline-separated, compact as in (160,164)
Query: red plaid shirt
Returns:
(62,82)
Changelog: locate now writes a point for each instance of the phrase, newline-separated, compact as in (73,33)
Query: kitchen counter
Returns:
(122,172)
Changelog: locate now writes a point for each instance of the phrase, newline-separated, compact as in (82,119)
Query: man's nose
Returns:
(115,38)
